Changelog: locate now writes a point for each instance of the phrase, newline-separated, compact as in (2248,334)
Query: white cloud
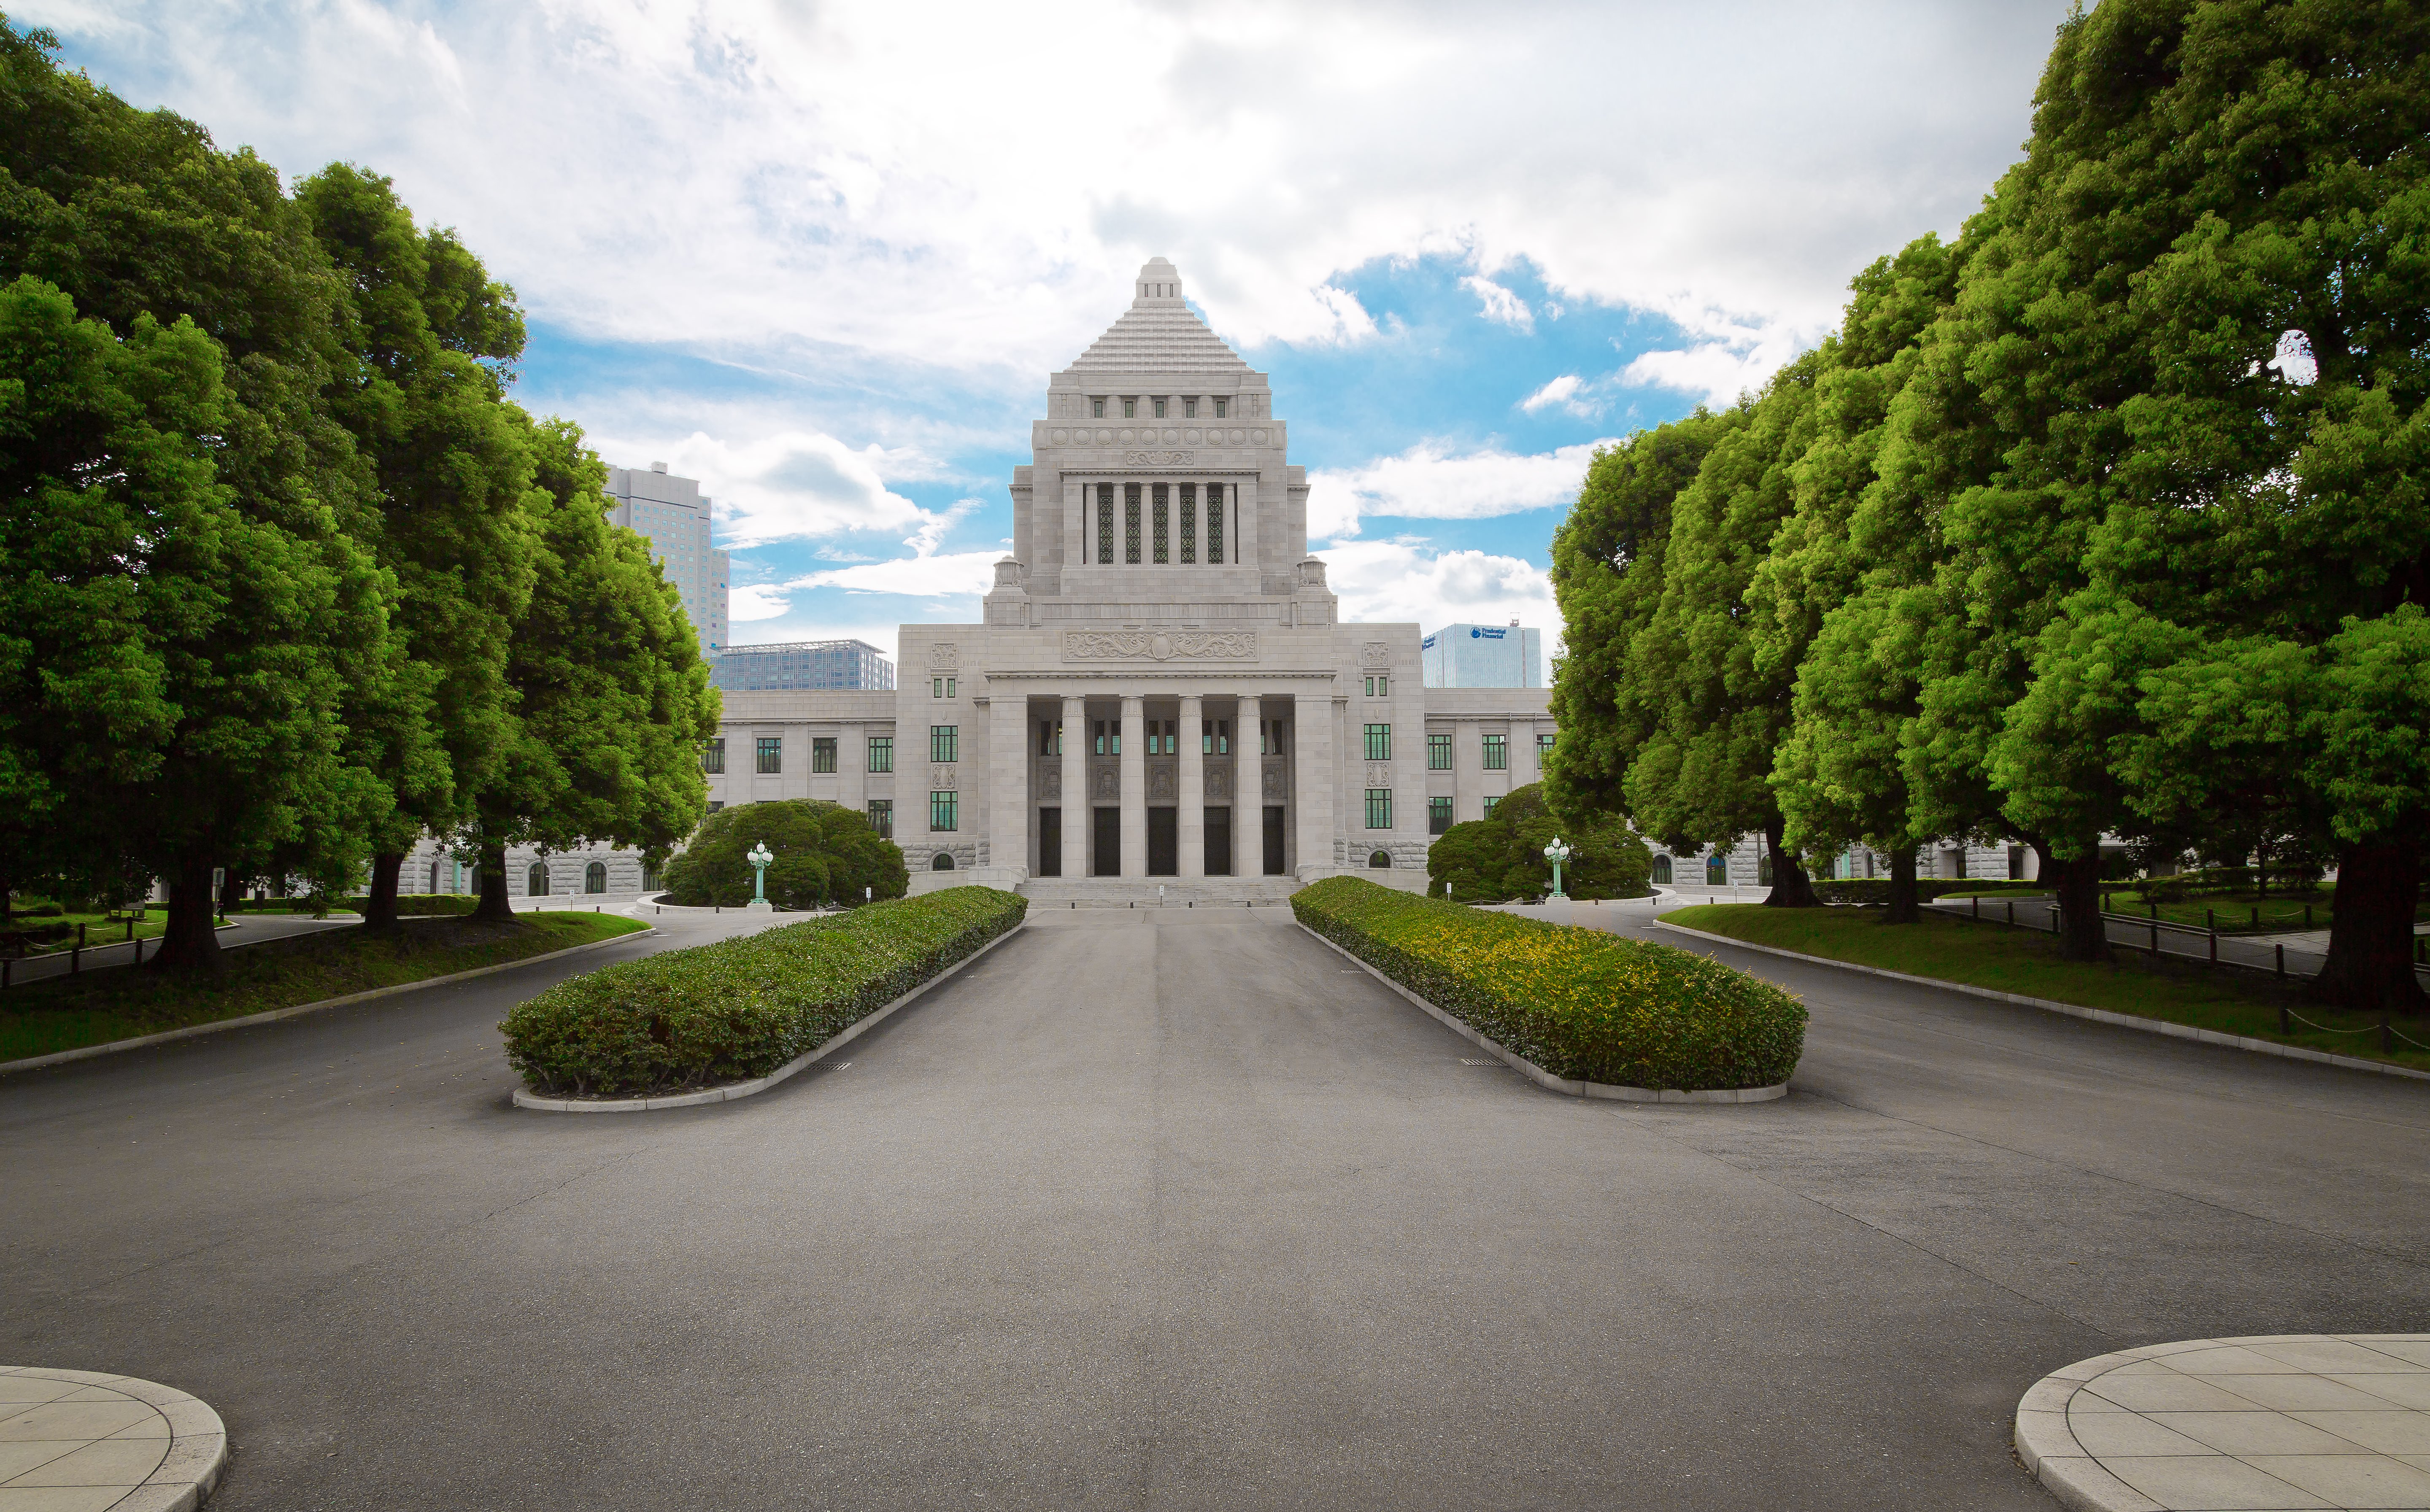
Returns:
(790,485)
(1400,581)
(1718,371)
(956,574)
(1430,482)
(1501,305)
(845,180)
(755,602)
(1562,391)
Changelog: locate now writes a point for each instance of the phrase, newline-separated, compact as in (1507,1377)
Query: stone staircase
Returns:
(1118,892)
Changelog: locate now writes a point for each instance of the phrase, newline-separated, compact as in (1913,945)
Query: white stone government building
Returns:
(1162,692)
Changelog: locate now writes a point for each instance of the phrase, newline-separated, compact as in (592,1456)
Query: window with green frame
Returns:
(1543,746)
(881,816)
(1497,753)
(881,753)
(1379,742)
(942,809)
(1437,815)
(822,753)
(712,755)
(1438,752)
(944,742)
(1489,807)
(1379,808)
(772,753)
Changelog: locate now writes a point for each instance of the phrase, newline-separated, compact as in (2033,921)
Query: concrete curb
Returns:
(732,1090)
(2124,1021)
(272,1015)
(1538,1074)
(197,1439)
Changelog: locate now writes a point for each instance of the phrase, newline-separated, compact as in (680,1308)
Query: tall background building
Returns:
(1484,656)
(800,665)
(672,515)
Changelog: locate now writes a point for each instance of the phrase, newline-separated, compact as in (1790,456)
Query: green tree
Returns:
(280,621)
(1607,575)
(1704,769)
(1820,598)
(612,700)
(1502,855)
(429,335)
(824,853)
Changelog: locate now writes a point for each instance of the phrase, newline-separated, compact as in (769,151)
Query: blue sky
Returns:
(823,258)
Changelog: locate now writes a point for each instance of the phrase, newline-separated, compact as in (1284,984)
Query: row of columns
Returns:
(1080,513)
(1308,748)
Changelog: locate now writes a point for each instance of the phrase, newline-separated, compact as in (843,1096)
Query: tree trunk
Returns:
(231,892)
(189,943)
(2083,937)
(1790,887)
(494,909)
(379,905)
(1905,907)
(2371,932)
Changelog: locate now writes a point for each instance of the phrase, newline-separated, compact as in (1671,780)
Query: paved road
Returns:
(1174,1211)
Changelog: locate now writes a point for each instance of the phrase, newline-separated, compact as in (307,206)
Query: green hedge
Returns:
(741,1008)
(1582,1003)
(1875,891)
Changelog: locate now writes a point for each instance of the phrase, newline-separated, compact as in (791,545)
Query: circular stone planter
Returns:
(111,1443)
(2269,1423)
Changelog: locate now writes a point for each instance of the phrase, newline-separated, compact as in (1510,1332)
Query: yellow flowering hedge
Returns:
(1583,1004)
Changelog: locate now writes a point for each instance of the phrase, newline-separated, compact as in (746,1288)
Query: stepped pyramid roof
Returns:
(1159,334)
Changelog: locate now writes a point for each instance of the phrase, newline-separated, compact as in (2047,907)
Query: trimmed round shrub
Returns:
(1502,855)
(741,1008)
(826,854)
(1582,1003)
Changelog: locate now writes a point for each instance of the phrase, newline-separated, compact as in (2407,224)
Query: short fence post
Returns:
(81,937)
(2214,947)
(1978,905)
(139,953)
(2055,923)
(2282,958)
(75,958)
(2156,936)
(2012,910)
(2256,916)
(2210,920)
(4,971)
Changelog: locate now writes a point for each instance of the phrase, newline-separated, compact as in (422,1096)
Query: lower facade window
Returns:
(944,742)
(822,753)
(1379,860)
(1379,742)
(1489,807)
(943,807)
(1662,870)
(1438,752)
(1437,815)
(713,756)
(881,816)
(1497,753)
(881,753)
(594,877)
(649,876)
(1379,808)
(536,880)
(772,753)
(1543,746)
(1717,870)
(715,803)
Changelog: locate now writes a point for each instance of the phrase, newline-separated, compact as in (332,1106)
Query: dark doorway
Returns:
(1218,842)
(1163,842)
(1273,840)
(1050,843)
(1107,862)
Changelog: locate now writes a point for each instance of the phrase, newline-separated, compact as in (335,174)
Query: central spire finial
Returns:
(1159,283)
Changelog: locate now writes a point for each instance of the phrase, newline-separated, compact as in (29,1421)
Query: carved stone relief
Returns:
(1219,783)
(1158,459)
(940,776)
(1106,782)
(1052,786)
(945,654)
(1380,773)
(1376,653)
(1160,645)
(1162,782)
(1275,785)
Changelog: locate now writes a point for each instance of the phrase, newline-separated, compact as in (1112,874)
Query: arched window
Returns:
(594,877)
(944,862)
(1379,860)
(1662,870)
(650,877)
(1717,870)
(536,882)
(1763,870)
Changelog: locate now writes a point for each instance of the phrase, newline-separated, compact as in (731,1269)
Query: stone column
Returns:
(1190,808)
(1467,771)
(852,768)
(1074,543)
(1077,816)
(1248,789)
(1313,777)
(1134,771)
(1007,766)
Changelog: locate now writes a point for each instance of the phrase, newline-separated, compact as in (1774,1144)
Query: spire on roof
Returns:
(1158,332)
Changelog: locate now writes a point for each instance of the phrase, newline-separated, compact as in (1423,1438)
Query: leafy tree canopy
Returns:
(1502,855)
(826,854)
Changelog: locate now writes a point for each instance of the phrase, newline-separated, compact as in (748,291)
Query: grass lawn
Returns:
(68,1013)
(2026,962)
(98,931)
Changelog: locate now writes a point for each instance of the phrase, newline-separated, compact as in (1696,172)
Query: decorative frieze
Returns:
(1158,459)
(940,776)
(1160,645)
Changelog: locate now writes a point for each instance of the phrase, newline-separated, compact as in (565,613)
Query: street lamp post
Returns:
(760,859)
(1558,854)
